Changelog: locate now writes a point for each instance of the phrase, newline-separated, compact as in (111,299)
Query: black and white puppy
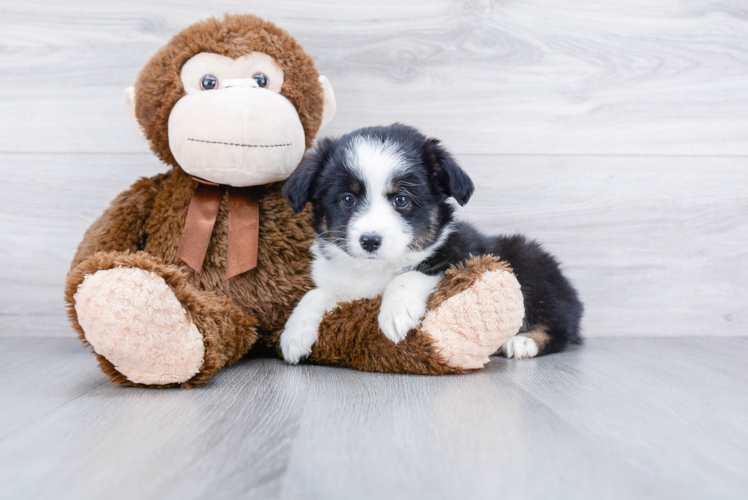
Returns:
(385,227)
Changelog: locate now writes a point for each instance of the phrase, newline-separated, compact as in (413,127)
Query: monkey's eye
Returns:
(261,79)
(401,201)
(209,82)
(348,200)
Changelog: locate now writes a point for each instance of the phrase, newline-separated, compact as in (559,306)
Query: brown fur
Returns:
(227,331)
(540,336)
(462,276)
(350,336)
(143,226)
(159,85)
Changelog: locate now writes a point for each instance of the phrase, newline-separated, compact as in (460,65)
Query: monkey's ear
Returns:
(449,176)
(299,188)
(329,105)
(130,105)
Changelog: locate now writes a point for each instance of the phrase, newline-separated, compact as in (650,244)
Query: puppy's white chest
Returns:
(349,282)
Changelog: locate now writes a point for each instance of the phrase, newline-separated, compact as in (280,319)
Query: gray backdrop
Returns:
(614,132)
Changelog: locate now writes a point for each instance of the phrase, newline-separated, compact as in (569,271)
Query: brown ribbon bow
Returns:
(244,227)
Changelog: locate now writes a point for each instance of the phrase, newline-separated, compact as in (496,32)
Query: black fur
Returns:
(433,176)
(325,176)
(551,302)
(299,187)
(452,180)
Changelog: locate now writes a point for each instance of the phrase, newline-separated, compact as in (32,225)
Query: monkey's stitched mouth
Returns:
(242,145)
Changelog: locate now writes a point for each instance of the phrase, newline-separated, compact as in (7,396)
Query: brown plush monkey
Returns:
(187,271)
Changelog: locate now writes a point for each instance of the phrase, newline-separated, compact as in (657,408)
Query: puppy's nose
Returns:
(370,242)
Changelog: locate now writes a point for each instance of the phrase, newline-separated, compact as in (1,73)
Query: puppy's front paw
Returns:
(297,340)
(302,328)
(520,347)
(399,315)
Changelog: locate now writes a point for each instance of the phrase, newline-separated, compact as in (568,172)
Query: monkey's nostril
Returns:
(370,242)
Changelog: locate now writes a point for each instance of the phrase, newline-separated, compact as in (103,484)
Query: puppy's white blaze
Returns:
(376,163)
(380,218)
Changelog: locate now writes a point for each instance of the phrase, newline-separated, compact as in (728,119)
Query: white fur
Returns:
(350,278)
(376,163)
(343,276)
(520,347)
(340,277)
(302,327)
(404,303)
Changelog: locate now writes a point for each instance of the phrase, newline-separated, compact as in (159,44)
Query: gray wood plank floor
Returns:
(615,418)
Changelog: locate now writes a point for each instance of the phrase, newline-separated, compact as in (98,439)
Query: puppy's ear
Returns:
(300,186)
(451,179)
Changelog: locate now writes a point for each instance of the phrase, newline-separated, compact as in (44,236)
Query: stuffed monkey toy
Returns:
(189,270)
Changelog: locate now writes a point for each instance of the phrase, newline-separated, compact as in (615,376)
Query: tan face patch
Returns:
(355,187)
(539,335)
(427,236)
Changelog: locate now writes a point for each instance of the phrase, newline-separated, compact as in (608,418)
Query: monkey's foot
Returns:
(485,312)
(132,318)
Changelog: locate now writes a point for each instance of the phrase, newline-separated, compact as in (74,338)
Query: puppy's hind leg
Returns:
(527,344)
(537,341)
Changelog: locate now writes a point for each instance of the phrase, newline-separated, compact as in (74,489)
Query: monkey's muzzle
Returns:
(240,136)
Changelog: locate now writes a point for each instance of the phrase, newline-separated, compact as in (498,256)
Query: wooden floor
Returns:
(615,418)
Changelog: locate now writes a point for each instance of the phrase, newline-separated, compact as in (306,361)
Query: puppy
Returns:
(385,227)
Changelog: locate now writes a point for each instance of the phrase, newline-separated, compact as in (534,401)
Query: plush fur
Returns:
(142,228)
(384,224)
(133,318)
(159,85)
(349,335)
(494,290)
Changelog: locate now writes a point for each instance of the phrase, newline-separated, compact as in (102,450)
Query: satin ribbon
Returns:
(244,227)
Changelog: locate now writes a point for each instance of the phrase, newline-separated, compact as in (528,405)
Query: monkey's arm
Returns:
(476,308)
(121,227)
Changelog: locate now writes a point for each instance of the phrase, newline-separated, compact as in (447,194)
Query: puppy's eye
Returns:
(261,79)
(348,200)
(401,201)
(208,82)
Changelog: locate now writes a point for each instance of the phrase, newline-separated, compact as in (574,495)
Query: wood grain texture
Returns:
(613,133)
(656,245)
(536,76)
(47,205)
(614,419)
(229,442)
